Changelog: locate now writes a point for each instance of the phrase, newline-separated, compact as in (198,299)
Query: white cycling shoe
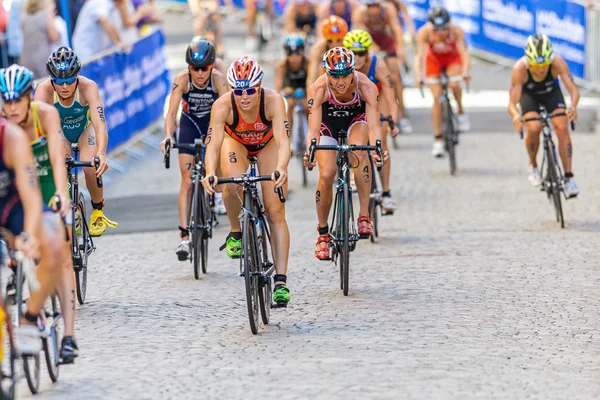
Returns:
(533,174)
(438,149)
(571,188)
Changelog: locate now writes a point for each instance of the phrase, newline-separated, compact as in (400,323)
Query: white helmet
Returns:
(245,72)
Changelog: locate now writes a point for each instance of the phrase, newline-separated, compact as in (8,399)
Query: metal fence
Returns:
(592,48)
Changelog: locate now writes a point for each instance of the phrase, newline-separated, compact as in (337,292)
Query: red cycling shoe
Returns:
(323,253)
(365,231)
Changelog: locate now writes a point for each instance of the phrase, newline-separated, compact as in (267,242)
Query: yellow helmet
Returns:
(358,40)
(538,49)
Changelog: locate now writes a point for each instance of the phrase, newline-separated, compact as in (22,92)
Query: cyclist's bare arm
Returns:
(219,114)
(52,127)
(221,66)
(422,42)
(461,46)
(110,29)
(180,82)
(358,18)
(369,93)
(316,98)
(220,83)
(394,24)
(517,79)
(44,92)
(315,61)
(561,69)
(408,21)
(382,74)
(89,92)
(19,157)
(275,110)
(290,19)
(279,76)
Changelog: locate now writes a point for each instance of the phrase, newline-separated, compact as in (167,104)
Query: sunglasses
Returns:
(292,52)
(361,53)
(203,69)
(62,81)
(249,91)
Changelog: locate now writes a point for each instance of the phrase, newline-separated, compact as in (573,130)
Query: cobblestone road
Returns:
(472,291)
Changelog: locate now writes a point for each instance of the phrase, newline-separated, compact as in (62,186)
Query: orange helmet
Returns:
(339,61)
(335,28)
(245,72)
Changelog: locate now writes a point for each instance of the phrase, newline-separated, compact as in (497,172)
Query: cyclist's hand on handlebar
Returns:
(572,114)
(467,77)
(282,178)
(103,164)
(395,131)
(307,164)
(210,189)
(163,144)
(65,205)
(378,161)
(28,245)
(518,123)
(418,83)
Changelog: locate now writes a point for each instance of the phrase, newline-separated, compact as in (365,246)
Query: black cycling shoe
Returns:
(68,350)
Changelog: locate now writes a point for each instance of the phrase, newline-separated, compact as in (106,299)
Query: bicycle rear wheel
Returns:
(299,127)
(265,294)
(450,136)
(84,245)
(31,364)
(51,344)
(345,238)
(555,185)
(9,359)
(374,204)
(195,232)
(250,268)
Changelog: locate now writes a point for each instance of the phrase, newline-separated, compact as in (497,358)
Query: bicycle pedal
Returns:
(279,305)
(66,362)
(364,236)
(387,213)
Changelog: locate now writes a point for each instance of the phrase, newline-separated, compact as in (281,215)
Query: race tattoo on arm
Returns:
(100,110)
(175,86)
(389,80)
(208,137)
(31,175)
(286,123)
(311,102)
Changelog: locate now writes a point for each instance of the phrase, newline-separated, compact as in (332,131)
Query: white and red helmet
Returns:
(245,72)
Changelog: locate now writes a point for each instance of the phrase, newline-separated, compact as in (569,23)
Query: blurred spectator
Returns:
(592,3)
(127,17)
(14,34)
(94,30)
(39,35)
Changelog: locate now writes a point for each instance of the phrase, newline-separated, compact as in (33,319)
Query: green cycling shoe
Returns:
(281,295)
(233,247)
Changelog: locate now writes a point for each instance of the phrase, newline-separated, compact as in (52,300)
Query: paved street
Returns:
(472,290)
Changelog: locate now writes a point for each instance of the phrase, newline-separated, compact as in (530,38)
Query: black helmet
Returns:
(63,63)
(439,18)
(200,53)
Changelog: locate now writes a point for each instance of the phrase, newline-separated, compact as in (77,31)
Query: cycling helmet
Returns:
(15,81)
(200,53)
(439,18)
(63,63)
(293,42)
(339,61)
(335,28)
(371,2)
(538,49)
(358,40)
(245,72)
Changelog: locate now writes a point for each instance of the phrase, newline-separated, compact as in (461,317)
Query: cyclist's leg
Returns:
(275,210)
(359,134)
(326,161)
(433,71)
(529,108)
(555,103)
(251,20)
(288,95)
(87,151)
(393,64)
(188,132)
(234,162)
(387,168)
(455,69)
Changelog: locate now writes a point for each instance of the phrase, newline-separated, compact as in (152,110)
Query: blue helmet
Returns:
(15,81)
(293,42)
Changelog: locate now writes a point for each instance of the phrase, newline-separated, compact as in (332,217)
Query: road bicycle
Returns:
(344,233)
(300,126)
(82,244)
(201,217)
(450,130)
(255,264)
(553,179)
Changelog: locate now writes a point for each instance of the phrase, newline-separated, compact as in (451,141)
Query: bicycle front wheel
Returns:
(51,344)
(84,247)
(31,364)
(374,203)
(555,185)
(250,267)
(345,238)
(265,294)
(450,136)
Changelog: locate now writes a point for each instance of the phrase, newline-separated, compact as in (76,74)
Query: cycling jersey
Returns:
(309,19)
(74,118)
(196,104)
(545,92)
(372,71)
(338,116)
(295,79)
(254,136)
(347,16)
(11,210)
(379,29)
(440,55)
(41,155)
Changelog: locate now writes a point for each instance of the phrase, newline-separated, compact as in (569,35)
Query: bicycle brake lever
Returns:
(311,152)
(97,165)
(168,154)
(379,153)
(279,191)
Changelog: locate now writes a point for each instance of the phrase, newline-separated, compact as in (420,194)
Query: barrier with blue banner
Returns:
(133,86)
(501,26)
(278,5)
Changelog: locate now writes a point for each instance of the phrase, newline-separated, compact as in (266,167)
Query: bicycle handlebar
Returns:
(247,179)
(58,205)
(197,146)
(545,117)
(72,163)
(351,147)
(389,120)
